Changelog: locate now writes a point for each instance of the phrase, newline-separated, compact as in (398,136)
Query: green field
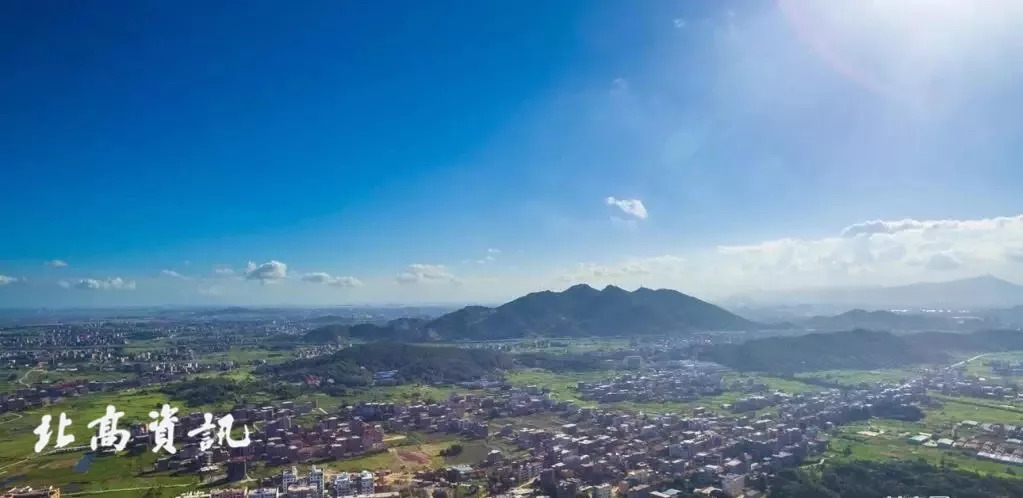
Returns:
(978,367)
(19,464)
(247,354)
(563,386)
(957,409)
(846,444)
(857,377)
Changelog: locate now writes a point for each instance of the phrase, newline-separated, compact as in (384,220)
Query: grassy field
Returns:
(562,386)
(404,393)
(978,367)
(891,444)
(19,464)
(9,379)
(247,354)
(857,377)
(890,439)
(957,409)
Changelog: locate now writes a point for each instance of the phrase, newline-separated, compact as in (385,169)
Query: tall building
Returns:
(237,469)
(733,484)
(342,485)
(366,483)
(316,480)
(289,478)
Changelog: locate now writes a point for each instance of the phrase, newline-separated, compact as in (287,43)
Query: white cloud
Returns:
(679,23)
(490,257)
(172,274)
(1014,254)
(663,266)
(115,283)
(223,271)
(632,207)
(420,273)
(333,281)
(4,280)
(880,252)
(870,253)
(619,86)
(57,263)
(943,261)
(271,271)
(64,284)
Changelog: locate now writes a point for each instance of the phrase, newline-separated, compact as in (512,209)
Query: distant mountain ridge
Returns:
(887,320)
(858,350)
(579,311)
(985,291)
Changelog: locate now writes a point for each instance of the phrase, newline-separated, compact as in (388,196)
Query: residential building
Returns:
(366,484)
(30,492)
(342,485)
(733,484)
(316,480)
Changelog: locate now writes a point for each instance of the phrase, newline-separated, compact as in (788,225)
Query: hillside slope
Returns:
(580,311)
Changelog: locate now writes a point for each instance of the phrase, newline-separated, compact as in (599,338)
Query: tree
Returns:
(453,450)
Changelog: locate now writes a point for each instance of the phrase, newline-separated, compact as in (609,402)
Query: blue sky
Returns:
(409,152)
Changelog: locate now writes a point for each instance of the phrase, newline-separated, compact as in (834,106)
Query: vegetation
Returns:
(453,450)
(857,350)
(211,391)
(580,311)
(356,366)
(880,320)
(571,362)
(895,478)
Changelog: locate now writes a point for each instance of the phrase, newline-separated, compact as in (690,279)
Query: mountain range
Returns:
(888,320)
(579,311)
(985,291)
(858,350)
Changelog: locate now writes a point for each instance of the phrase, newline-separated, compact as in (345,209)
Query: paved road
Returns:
(23,377)
(955,365)
(969,360)
(99,492)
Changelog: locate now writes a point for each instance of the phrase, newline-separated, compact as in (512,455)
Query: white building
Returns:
(264,493)
(602,491)
(733,484)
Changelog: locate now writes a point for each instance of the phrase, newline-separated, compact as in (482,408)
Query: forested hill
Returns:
(887,320)
(355,366)
(580,311)
(858,349)
(895,478)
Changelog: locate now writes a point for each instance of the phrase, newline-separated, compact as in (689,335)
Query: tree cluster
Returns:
(893,478)
(356,366)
